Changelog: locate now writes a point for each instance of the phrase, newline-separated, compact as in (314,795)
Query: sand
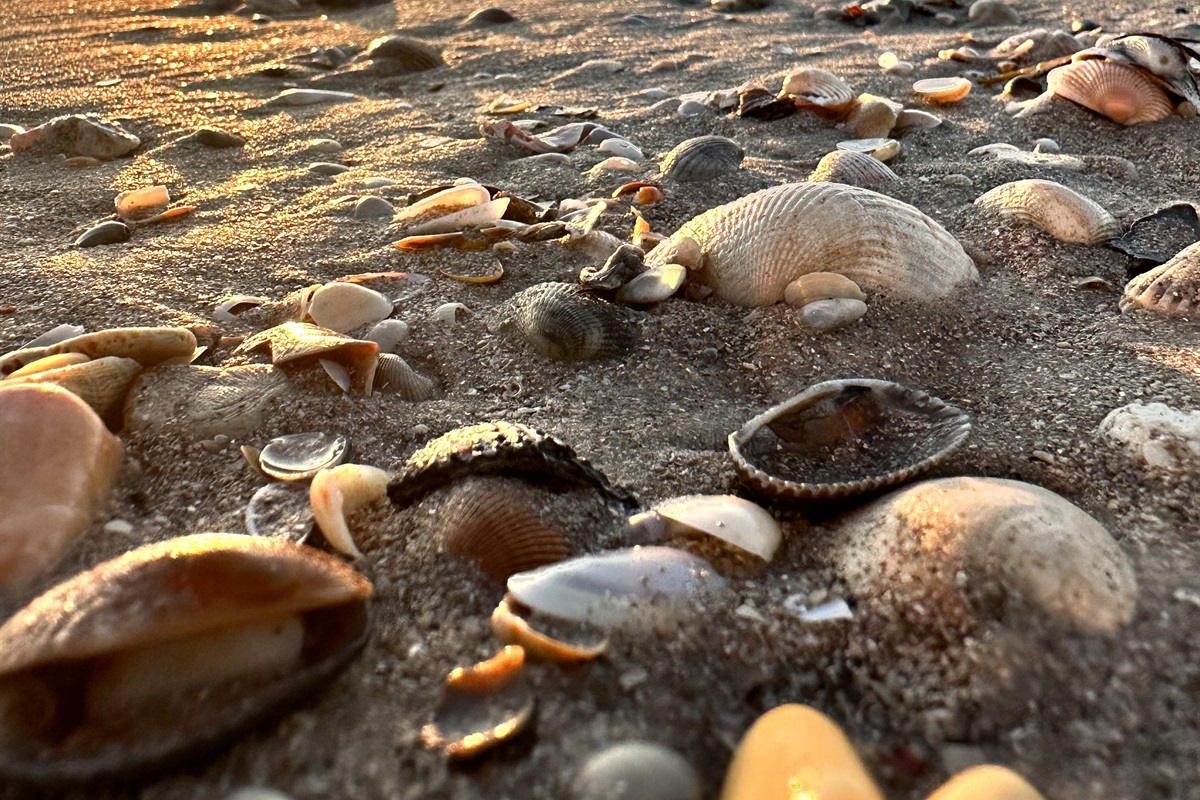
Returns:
(1036,360)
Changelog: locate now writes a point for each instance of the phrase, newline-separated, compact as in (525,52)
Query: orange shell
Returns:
(1120,92)
(818,90)
(942,90)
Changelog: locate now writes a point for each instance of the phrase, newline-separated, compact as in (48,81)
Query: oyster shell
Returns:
(168,652)
(482,706)
(297,341)
(564,322)
(1172,288)
(1118,91)
(702,158)
(755,246)
(854,169)
(1051,207)
(843,438)
(202,402)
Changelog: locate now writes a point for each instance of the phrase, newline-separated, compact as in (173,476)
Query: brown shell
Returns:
(1172,288)
(564,322)
(854,169)
(295,341)
(1120,92)
(405,54)
(702,158)
(101,383)
(871,119)
(147,346)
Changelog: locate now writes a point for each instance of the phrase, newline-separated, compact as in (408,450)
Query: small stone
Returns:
(486,17)
(615,164)
(372,207)
(327,168)
(633,677)
(1046,146)
(622,148)
(945,19)
(325,146)
(691,108)
(110,232)
(984,13)
(388,334)
(217,138)
(958,179)
(828,315)
(118,527)
(78,135)
(378,183)
(637,771)
(1156,434)
(655,94)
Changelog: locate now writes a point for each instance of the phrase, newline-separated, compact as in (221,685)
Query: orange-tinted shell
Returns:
(1120,92)
(818,90)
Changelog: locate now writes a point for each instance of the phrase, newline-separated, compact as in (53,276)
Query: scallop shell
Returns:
(843,438)
(1051,207)
(1120,92)
(853,169)
(702,158)
(986,782)
(755,246)
(564,322)
(1164,58)
(296,341)
(395,375)
(300,456)
(1172,288)
(147,346)
(405,54)
(201,402)
(101,383)
(482,706)
(818,90)
(169,652)
(980,543)
(942,90)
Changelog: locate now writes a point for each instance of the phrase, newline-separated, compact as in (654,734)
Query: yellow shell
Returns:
(818,90)
(1118,91)
(1059,211)
(295,341)
(102,383)
(942,90)
(49,363)
(987,782)
(341,490)
(1172,288)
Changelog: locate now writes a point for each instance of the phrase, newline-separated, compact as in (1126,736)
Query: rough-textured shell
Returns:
(853,169)
(1010,539)
(202,402)
(818,90)
(1056,209)
(55,649)
(147,346)
(756,245)
(294,341)
(702,158)
(405,54)
(1120,92)
(101,383)
(843,438)
(564,322)
(1172,288)
(395,375)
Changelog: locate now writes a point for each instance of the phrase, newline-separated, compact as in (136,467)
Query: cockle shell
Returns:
(102,383)
(297,341)
(564,322)
(59,466)
(404,54)
(202,402)
(755,246)
(147,346)
(702,158)
(986,782)
(1011,540)
(1164,58)
(482,706)
(942,90)
(1172,288)
(1051,207)
(341,490)
(169,652)
(854,169)
(395,375)
(818,90)
(1120,92)
(343,307)
(817,286)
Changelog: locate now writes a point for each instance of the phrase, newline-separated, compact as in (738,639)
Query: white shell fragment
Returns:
(621,148)
(734,520)
(1059,211)
(310,97)
(388,334)
(831,314)
(339,491)
(1156,434)
(280,510)
(343,306)
(447,313)
(300,456)
(654,285)
(428,214)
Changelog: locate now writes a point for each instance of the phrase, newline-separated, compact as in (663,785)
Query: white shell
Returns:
(339,491)
(654,285)
(308,97)
(1156,434)
(732,519)
(1172,288)
(818,89)
(343,306)
(1059,211)
(622,148)
(855,169)
(428,215)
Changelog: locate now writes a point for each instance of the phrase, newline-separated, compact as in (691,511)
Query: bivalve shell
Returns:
(1118,91)
(142,203)
(102,383)
(395,375)
(738,523)
(300,456)
(482,706)
(1051,207)
(580,642)
(423,216)
(110,232)
(942,90)
(1172,288)
(564,322)
(854,169)
(821,286)
(299,341)
(818,90)
(147,346)
(702,158)
(341,490)
(1156,238)
(637,771)
(404,54)
(343,307)
(986,782)
(201,402)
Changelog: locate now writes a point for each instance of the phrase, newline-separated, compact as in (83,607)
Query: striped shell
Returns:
(395,375)
(1172,288)
(564,322)
(1120,92)
(296,341)
(818,90)
(1051,207)
(202,402)
(755,246)
(702,158)
(404,54)
(102,383)
(1164,58)
(854,169)
(147,346)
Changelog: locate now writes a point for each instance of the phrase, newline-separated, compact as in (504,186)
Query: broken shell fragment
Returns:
(147,346)
(341,490)
(744,526)
(702,158)
(102,383)
(1172,288)
(653,286)
(986,782)
(439,213)
(942,90)
(482,706)
(395,375)
(1051,207)
(140,204)
(49,363)
(843,438)
(1155,238)
(343,307)
(299,341)
(169,652)
(300,456)
(510,624)
(871,118)
(1118,91)
(881,148)
(855,169)
(564,322)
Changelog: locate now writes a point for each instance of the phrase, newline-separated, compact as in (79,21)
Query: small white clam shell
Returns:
(653,285)
(622,148)
(343,306)
(339,491)
(447,313)
(418,217)
(1056,209)
(734,520)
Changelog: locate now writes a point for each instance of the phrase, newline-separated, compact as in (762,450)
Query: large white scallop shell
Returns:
(755,246)
(1056,209)
(1172,288)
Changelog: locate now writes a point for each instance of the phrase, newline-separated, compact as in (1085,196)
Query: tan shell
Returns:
(147,346)
(50,362)
(439,213)
(818,90)
(1010,540)
(1120,92)
(821,286)
(755,246)
(1172,288)
(942,90)
(510,627)
(395,375)
(201,402)
(872,118)
(986,782)
(563,322)
(139,204)
(405,54)
(102,383)
(59,465)
(702,158)
(295,341)
(482,706)
(1059,211)
(853,169)
(343,307)
(341,490)
(734,521)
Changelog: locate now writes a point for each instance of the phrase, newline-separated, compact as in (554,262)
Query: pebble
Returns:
(945,19)
(310,97)
(217,138)
(637,770)
(655,93)
(118,527)
(547,158)
(1046,146)
(325,146)
(984,13)
(828,315)
(327,168)
(256,793)
(957,179)
(622,148)
(691,108)
(489,16)
(372,207)
(378,183)
(110,232)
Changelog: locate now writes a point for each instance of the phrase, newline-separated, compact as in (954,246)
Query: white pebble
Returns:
(447,313)
(622,148)
(378,183)
(691,108)
(325,146)
(1046,146)
(827,315)
(654,93)
(118,527)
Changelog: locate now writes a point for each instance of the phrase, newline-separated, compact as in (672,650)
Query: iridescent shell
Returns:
(1056,209)
(564,322)
(853,169)
(1120,92)
(1172,288)
(702,158)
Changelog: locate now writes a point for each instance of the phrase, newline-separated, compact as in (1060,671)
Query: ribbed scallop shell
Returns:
(1120,92)
(203,401)
(102,383)
(1162,57)
(405,54)
(818,90)
(702,158)
(756,245)
(564,322)
(853,169)
(1051,207)
(1172,288)
(395,375)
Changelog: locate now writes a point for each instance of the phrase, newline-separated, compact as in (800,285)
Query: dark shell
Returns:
(489,16)
(111,232)
(217,138)
(621,267)
(844,438)
(758,103)
(565,322)
(405,54)
(498,448)
(1156,238)
(702,158)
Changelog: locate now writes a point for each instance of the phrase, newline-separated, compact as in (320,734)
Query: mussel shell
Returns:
(299,456)
(564,322)
(702,158)
(1156,238)
(842,438)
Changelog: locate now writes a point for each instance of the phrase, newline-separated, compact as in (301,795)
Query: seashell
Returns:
(828,315)
(59,333)
(843,438)
(818,90)
(758,103)
(448,313)
(341,490)
(488,16)
(821,286)
(653,286)
(395,375)
(796,751)
(230,308)
(147,346)
(702,158)
(1172,288)
(168,652)
(881,149)
(744,526)
(621,148)
(636,770)
(853,169)
(914,119)
(111,232)
(102,383)
(142,203)
(217,138)
(372,207)
(482,706)
(292,307)
(986,782)
(755,246)
(404,54)
(84,135)
(1165,58)
(1051,207)
(1156,238)
(343,307)
(328,168)
(388,334)
(310,97)
(625,264)
(510,626)
(280,510)
(296,341)
(871,119)
(564,322)
(985,13)
(942,90)
(497,448)
(337,373)
(1118,91)
(605,589)
(1010,540)
(450,210)
(202,402)
(59,467)
(49,363)
(300,456)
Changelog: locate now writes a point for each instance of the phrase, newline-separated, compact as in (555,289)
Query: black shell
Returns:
(565,322)
(1156,238)
(702,158)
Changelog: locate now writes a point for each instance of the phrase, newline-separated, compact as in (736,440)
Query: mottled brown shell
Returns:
(1172,288)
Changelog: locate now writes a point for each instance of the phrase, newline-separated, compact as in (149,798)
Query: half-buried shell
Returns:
(395,375)
(1172,288)
(201,402)
(855,169)
(702,158)
(1118,91)
(404,54)
(147,346)
(843,438)
(482,706)
(820,91)
(102,383)
(1051,207)
(565,322)
(1155,238)
(299,341)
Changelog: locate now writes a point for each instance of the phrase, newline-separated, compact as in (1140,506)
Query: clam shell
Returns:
(429,214)
(395,375)
(510,626)
(821,286)
(843,438)
(738,523)
(343,307)
(1120,92)
(388,334)
(702,158)
(292,307)
(59,466)
(1011,540)
(871,119)
(1163,57)
(854,169)
(482,706)
(101,383)
(1051,207)
(1172,288)
(653,286)
(986,782)
(280,510)
(880,148)
(147,346)
(142,203)
(942,90)
(300,456)
(1156,238)
(405,54)
(296,341)
(818,90)
(341,490)
(201,402)
(564,322)
(755,246)
(163,648)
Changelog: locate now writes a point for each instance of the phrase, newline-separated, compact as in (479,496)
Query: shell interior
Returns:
(1155,238)
(298,456)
